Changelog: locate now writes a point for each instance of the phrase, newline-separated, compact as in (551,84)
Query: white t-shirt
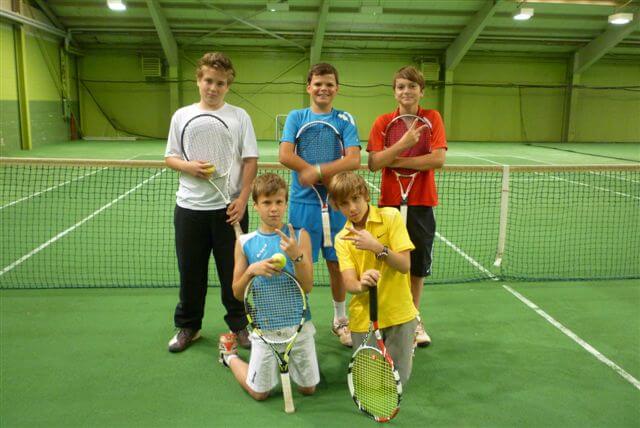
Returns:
(198,194)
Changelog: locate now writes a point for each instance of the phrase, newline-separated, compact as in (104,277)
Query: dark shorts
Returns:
(421,225)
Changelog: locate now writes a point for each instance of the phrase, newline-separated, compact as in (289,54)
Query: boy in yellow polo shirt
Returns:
(373,250)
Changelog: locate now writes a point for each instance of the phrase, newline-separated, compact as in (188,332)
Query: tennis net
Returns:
(78,223)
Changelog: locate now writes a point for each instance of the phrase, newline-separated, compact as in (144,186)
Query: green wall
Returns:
(9,117)
(271,83)
(48,124)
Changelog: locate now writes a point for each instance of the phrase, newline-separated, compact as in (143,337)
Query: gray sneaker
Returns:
(183,338)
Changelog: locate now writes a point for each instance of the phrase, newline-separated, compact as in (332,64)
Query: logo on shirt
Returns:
(260,254)
(346,117)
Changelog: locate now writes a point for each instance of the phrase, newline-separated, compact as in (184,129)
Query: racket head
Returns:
(276,307)
(398,127)
(374,384)
(206,137)
(319,142)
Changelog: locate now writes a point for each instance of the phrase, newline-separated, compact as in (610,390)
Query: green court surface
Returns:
(98,358)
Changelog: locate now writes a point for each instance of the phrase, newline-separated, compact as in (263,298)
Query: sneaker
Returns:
(227,345)
(422,338)
(341,329)
(243,338)
(183,338)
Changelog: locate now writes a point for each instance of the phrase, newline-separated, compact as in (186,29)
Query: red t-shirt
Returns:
(424,190)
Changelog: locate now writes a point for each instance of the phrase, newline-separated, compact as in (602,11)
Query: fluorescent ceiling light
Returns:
(371,10)
(276,6)
(523,13)
(620,18)
(116,5)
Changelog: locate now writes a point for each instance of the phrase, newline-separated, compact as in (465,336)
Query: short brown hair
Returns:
(321,69)
(410,73)
(219,61)
(268,184)
(346,184)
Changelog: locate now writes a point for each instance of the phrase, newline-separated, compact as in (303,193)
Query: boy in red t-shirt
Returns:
(408,89)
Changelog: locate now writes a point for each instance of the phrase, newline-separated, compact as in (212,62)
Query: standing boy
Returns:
(253,255)
(305,210)
(408,89)
(203,222)
(373,250)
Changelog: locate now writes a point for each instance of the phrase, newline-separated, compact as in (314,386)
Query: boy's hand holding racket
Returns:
(235,211)
(369,279)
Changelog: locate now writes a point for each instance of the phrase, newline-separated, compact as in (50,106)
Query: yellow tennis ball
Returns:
(210,170)
(279,259)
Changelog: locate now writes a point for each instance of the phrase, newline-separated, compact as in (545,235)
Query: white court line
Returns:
(593,351)
(64,183)
(467,257)
(33,195)
(75,226)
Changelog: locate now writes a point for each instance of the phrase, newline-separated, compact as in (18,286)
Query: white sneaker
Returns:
(341,329)
(422,338)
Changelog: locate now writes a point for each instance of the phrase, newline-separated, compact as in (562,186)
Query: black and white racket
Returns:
(206,137)
(276,307)
(320,142)
(394,132)
(373,380)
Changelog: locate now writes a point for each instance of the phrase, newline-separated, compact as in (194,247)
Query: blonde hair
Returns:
(218,61)
(410,73)
(268,184)
(346,184)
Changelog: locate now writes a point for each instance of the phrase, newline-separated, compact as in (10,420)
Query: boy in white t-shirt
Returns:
(203,221)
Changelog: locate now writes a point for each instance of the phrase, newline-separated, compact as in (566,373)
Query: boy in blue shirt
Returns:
(253,257)
(304,208)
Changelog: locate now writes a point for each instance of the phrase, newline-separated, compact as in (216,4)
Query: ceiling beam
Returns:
(49,13)
(249,24)
(167,40)
(17,17)
(461,45)
(318,35)
(598,47)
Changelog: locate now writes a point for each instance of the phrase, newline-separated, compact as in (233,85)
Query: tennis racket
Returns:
(394,132)
(206,137)
(373,380)
(276,307)
(319,142)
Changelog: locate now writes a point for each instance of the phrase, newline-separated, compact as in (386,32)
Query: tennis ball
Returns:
(279,259)
(210,170)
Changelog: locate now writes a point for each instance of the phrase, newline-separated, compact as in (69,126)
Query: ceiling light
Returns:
(116,5)
(276,6)
(523,13)
(371,10)
(620,18)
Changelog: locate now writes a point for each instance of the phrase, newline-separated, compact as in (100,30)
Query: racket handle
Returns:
(373,304)
(286,392)
(326,228)
(403,212)
(237,229)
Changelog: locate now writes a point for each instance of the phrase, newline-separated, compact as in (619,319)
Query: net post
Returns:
(504,212)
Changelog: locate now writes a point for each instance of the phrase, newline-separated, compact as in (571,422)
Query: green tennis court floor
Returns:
(502,355)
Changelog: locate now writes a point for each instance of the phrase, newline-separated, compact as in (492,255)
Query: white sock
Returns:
(229,357)
(339,310)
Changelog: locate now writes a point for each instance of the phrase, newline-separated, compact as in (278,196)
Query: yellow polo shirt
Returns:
(395,304)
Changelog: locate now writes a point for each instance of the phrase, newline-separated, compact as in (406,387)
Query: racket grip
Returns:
(237,229)
(286,393)
(326,229)
(373,304)
(403,213)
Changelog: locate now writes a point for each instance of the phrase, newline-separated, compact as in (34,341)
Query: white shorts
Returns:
(263,374)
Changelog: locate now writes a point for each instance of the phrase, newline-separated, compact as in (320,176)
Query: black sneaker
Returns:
(243,338)
(182,339)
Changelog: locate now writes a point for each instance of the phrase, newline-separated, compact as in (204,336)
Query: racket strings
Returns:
(276,306)
(374,383)
(319,144)
(207,139)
